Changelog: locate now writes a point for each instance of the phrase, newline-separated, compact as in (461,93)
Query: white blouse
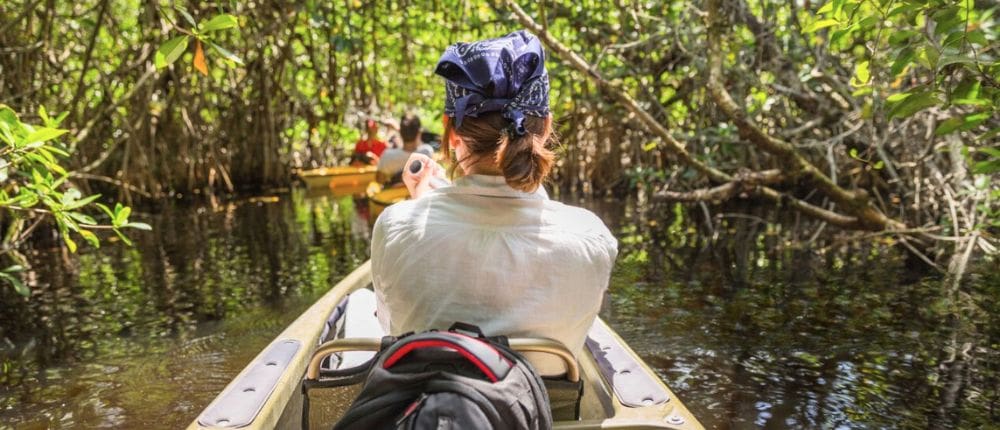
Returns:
(481,252)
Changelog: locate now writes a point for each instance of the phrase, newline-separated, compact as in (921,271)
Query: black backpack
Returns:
(449,380)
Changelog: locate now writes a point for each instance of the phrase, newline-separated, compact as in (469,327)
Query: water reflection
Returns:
(756,330)
(147,336)
(751,325)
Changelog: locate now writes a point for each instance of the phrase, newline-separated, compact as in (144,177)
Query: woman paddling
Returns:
(492,249)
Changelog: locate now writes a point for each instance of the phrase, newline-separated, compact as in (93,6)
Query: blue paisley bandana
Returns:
(506,75)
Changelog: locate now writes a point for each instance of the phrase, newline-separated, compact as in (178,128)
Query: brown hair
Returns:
(524,160)
(409,127)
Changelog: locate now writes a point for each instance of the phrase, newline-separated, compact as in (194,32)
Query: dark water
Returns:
(749,331)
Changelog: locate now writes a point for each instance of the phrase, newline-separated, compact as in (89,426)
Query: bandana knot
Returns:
(506,74)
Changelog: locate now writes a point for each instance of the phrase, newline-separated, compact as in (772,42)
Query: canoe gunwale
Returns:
(306,329)
(605,410)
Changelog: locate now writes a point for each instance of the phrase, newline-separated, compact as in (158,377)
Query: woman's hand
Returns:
(421,174)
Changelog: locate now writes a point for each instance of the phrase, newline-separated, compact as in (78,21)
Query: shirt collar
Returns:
(493,186)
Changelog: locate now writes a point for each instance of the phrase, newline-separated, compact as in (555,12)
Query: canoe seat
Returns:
(354,317)
(360,321)
(354,325)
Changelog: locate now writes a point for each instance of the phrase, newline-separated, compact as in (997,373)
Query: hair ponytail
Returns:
(525,160)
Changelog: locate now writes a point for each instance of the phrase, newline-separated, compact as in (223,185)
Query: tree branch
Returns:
(614,90)
(678,148)
(741,184)
(854,202)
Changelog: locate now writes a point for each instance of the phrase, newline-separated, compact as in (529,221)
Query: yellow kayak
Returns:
(620,391)
(380,198)
(337,177)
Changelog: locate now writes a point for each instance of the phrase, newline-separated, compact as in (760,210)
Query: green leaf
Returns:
(44,152)
(968,89)
(986,167)
(843,32)
(82,218)
(973,120)
(837,6)
(879,165)
(56,168)
(57,151)
(16,283)
(121,215)
(904,58)
(219,22)
(106,210)
(819,25)
(946,60)
(65,220)
(43,115)
(8,116)
(25,200)
(91,238)
(977,37)
(928,57)
(947,126)
(187,16)
(868,23)
(993,152)
(953,40)
(853,153)
(171,51)
(14,268)
(901,37)
(76,204)
(913,104)
(898,97)
(123,237)
(947,19)
(37,177)
(972,102)
(905,9)
(139,226)
(69,242)
(226,54)
(44,135)
(861,74)
(963,123)
(59,119)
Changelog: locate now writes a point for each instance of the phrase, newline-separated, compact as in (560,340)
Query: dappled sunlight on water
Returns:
(754,332)
(147,336)
(749,327)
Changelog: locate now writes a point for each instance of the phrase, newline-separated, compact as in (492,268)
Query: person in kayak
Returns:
(390,164)
(492,249)
(367,151)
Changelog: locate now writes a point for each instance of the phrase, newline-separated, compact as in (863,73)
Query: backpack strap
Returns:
(480,353)
(471,329)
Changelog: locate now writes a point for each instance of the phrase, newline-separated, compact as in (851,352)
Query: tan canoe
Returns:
(620,390)
(337,177)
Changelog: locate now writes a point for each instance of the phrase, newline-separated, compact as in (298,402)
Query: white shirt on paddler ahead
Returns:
(393,160)
(481,252)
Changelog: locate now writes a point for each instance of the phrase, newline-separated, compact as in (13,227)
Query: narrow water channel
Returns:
(748,331)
